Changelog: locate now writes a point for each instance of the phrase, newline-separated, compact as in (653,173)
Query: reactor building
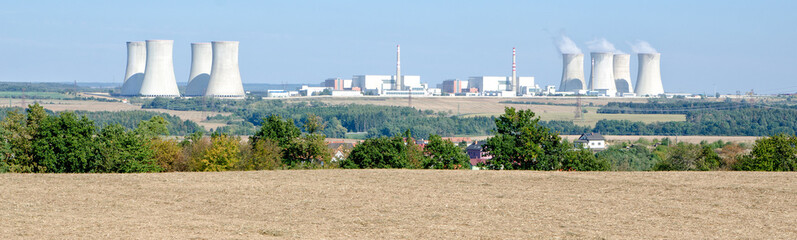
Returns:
(201,59)
(649,76)
(572,73)
(622,73)
(136,64)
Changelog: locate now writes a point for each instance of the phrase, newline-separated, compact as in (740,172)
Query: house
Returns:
(477,154)
(593,141)
(340,150)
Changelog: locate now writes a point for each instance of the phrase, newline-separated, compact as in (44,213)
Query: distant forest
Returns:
(702,118)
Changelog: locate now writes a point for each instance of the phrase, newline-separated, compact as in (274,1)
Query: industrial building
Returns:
(337,84)
(454,86)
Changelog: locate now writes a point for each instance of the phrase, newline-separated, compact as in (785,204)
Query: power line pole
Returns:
(579,114)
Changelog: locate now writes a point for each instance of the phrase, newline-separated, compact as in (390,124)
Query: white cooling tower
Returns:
(572,73)
(136,64)
(159,78)
(225,78)
(622,73)
(201,59)
(649,79)
(602,75)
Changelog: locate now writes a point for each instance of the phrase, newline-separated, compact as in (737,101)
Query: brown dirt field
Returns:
(472,105)
(73,105)
(400,204)
(688,139)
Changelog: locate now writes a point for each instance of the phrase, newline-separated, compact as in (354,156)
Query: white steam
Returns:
(566,45)
(602,45)
(642,47)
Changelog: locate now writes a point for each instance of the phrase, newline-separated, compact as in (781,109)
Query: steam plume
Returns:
(566,45)
(642,47)
(602,45)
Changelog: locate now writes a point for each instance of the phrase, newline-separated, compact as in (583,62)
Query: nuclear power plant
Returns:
(622,73)
(215,73)
(214,70)
(225,78)
(136,64)
(201,59)
(649,79)
(572,73)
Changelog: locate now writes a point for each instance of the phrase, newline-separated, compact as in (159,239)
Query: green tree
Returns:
(443,154)
(282,131)
(774,153)
(688,157)
(153,127)
(520,142)
(65,144)
(124,151)
(382,152)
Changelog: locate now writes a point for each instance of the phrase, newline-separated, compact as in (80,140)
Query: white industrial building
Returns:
(501,86)
(378,84)
(337,84)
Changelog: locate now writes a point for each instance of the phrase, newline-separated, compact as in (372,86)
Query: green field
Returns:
(34,95)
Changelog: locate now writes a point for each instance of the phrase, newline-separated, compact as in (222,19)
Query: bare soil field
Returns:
(473,105)
(688,139)
(199,117)
(400,204)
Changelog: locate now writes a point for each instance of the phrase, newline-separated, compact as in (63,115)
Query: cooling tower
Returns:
(622,73)
(159,78)
(649,80)
(225,78)
(602,75)
(572,73)
(136,64)
(201,59)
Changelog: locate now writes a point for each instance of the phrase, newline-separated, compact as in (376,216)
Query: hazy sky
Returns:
(727,45)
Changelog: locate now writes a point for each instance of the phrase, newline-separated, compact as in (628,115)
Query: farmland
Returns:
(392,204)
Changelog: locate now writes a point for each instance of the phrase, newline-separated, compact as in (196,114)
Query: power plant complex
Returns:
(214,70)
(215,73)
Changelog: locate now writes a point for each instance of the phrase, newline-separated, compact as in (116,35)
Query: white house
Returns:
(594,141)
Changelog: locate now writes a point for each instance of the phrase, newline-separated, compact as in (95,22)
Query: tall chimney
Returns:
(514,81)
(399,82)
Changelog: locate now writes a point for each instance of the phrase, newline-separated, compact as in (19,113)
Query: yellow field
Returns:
(400,204)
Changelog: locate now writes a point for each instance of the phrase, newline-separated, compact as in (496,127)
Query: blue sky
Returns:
(705,45)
